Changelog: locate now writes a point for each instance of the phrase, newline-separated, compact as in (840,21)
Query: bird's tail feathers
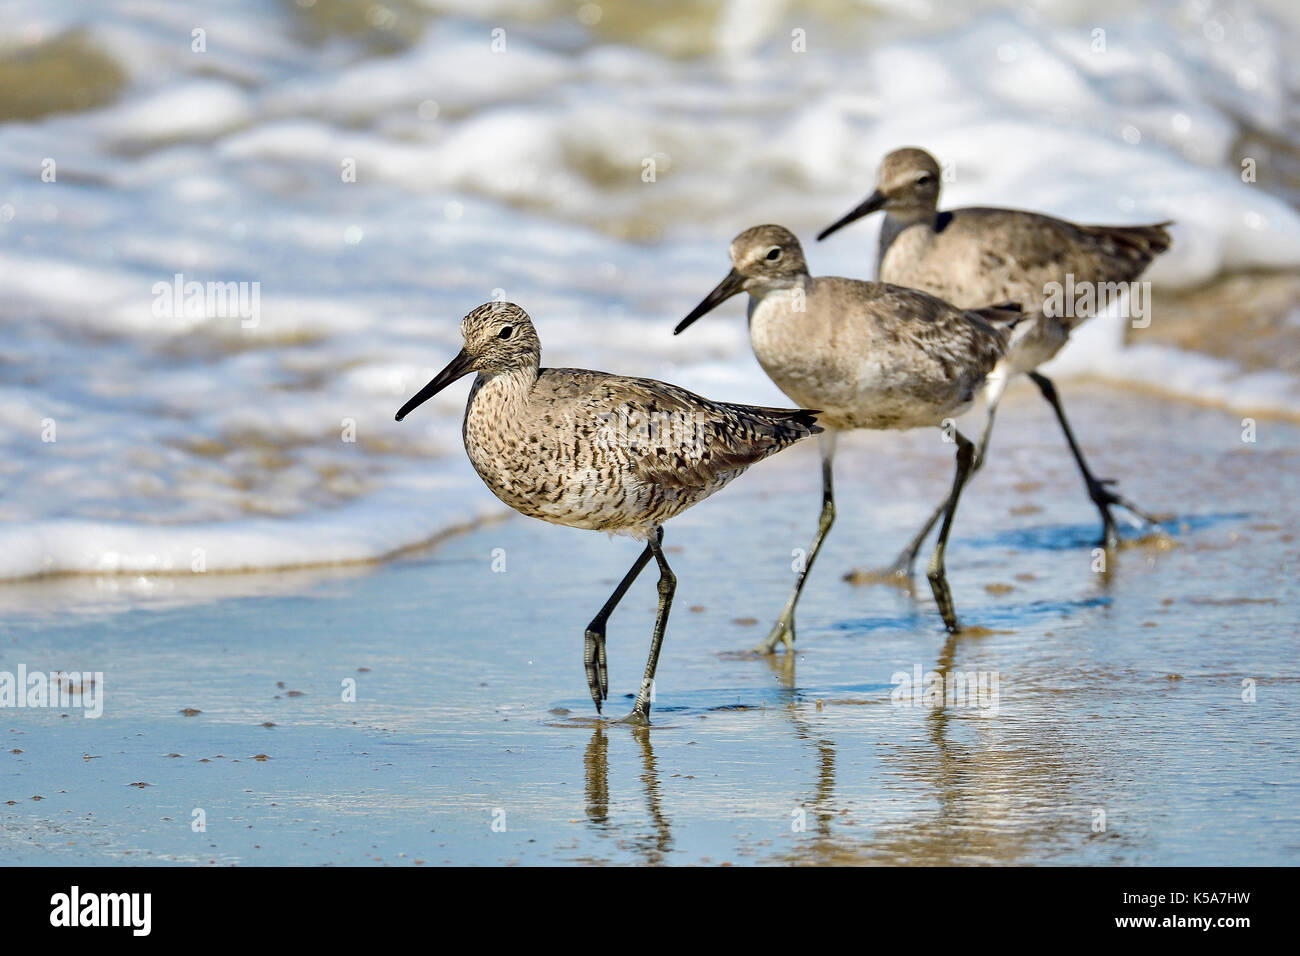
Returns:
(1006,315)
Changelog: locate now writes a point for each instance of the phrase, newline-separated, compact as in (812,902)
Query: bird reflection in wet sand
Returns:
(968,817)
(653,845)
(970,823)
(821,802)
(595,764)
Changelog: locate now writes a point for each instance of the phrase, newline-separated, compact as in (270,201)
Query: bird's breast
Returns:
(910,260)
(790,344)
(814,356)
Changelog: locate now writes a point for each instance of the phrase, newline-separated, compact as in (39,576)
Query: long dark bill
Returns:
(458,367)
(731,285)
(869,205)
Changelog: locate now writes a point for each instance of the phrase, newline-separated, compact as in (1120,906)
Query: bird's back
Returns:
(873,354)
(978,256)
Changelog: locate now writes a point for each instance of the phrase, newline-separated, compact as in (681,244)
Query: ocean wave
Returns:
(134,431)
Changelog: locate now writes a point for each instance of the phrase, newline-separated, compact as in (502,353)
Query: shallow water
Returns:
(1119,692)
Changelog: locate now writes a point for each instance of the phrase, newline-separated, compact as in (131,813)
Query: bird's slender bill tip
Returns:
(457,368)
(724,290)
(871,204)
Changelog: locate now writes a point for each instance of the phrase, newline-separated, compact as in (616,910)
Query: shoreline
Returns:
(1074,370)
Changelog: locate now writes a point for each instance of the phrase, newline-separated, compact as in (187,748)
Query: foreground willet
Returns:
(979,256)
(870,355)
(600,451)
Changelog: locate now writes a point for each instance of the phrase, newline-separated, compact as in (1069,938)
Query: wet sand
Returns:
(1118,692)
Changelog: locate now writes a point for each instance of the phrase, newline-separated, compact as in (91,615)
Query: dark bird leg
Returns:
(936,572)
(783,630)
(593,644)
(1101,496)
(667,585)
(900,572)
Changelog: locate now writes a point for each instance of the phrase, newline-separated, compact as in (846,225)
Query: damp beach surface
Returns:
(432,710)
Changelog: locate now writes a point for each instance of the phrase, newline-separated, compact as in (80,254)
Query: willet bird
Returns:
(978,256)
(870,355)
(599,451)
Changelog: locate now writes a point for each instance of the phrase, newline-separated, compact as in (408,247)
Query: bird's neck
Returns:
(508,389)
(894,225)
(779,284)
(780,297)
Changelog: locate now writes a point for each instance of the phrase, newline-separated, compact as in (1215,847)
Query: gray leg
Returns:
(1101,496)
(983,447)
(900,572)
(667,585)
(593,649)
(783,630)
(937,573)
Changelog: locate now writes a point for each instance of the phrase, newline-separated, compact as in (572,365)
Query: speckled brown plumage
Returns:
(611,453)
(599,451)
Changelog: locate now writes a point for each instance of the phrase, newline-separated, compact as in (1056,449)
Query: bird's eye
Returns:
(506,332)
(923,179)
(774,253)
